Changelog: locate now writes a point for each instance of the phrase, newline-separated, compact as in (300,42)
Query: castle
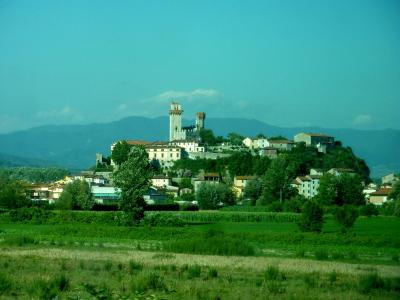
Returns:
(176,131)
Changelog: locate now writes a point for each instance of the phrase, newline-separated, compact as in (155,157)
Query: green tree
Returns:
(395,193)
(133,179)
(276,181)
(327,190)
(312,217)
(76,195)
(207,137)
(346,216)
(235,138)
(12,194)
(341,190)
(253,190)
(211,196)
(120,152)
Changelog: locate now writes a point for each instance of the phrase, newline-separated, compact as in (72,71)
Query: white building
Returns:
(161,181)
(256,143)
(307,185)
(284,145)
(189,145)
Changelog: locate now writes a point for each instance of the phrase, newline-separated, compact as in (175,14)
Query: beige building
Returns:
(321,141)
(284,145)
(390,179)
(240,183)
(379,197)
(161,181)
(269,152)
(255,143)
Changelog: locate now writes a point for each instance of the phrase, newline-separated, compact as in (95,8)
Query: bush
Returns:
(312,217)
(5,284)
(211,243)
(148,281)
(370,282)
(193,271)
(162,207)
(212,273)
(273,273)
(157,219)
(346,216)
(212,196)
(369,210)
(321,255)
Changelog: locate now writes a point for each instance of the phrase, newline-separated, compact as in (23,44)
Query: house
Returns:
(390,179)
(340,171)
(105,194)
(284,145)
(162,152)
(368,190)
(155,195)
(321,141)
(189,145)
(240,182)
(255,143)
(269,152)
(206,178)
(307,186)
(314,171)
(161,181)
(379,197)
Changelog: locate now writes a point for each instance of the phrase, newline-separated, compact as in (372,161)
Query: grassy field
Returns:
(201,260)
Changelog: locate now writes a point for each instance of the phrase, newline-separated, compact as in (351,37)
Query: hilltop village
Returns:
(193,156)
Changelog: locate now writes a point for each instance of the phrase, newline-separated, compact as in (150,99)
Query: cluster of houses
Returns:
(186,142)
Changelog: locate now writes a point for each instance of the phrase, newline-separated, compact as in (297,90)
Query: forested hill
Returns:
(74,146)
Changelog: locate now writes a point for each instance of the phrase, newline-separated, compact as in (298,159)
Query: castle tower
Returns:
(200,118)
(175,122)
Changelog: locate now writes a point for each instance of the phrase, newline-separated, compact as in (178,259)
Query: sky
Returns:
(332,63)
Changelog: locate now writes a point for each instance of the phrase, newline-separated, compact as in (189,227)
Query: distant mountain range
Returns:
(74,146)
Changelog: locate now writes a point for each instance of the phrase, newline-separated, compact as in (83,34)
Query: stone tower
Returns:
(175,123)
(200,118)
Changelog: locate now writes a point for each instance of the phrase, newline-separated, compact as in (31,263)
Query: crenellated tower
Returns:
(175,123)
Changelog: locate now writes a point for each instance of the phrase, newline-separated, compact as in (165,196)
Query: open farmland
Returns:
(227,256)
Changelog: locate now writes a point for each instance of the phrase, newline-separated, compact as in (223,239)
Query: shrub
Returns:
(211,196)
(212,273)
(369,210)
(273,273)
(162,207)
(311,280)
(19,241)
(332,277)
(312,217)
(321,254)
(346,216)
(157,219)
(370,282)
(134,266)
(5,284)
(148,281)
(193,271)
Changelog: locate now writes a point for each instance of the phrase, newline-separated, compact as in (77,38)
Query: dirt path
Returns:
(229,262)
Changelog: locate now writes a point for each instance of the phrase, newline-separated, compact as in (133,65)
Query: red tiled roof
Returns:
(381,192)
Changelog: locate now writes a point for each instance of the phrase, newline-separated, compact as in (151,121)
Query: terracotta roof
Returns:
(317,134)
(246,177)
(160,177)
(137,142)
(382,192)
(211,174)
(281,142)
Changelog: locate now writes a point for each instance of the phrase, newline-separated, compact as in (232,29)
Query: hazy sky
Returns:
(289,63)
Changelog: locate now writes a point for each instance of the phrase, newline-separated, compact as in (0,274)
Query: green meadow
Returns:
(265,258)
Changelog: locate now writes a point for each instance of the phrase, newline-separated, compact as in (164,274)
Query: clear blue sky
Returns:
(289,63)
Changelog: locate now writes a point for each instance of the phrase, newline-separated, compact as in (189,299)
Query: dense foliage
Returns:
(31,174)
(212,196)
(120,152)
(312,217)
(133,178)
(76,195)
(346,216)
(341,190)
(12,193)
